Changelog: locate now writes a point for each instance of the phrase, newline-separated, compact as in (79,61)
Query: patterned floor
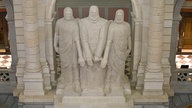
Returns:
(183,60)
(5,61)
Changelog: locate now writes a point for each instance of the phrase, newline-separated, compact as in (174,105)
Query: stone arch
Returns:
(181,99)
(175,34)
(136,9)
(11,34)
(13,48)
(50,6)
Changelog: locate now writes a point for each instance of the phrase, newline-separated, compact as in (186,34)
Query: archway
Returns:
(7,76)
(179,83)
(11,32)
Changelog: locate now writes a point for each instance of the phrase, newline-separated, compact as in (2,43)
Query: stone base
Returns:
(92,102)
(153,92)
(119,91)
(140,99)
(33,84)
(92,92)
(116,91)
(68,91)
(47,98)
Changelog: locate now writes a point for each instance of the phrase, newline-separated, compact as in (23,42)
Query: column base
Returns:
(33,84)
(139,85)
(152,92)
(34,92)
(153,84)
(47,77)
(140,77)
(153,87)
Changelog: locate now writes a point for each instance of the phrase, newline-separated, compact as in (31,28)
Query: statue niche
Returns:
(93,52)
(104,46)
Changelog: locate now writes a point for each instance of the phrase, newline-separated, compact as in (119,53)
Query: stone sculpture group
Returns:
(92,52)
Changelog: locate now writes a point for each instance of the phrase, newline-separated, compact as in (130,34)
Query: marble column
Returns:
(144,38)
(42,43)
(50,55)
(33,78)
(50,20)
(137,46)
(142,63)
(153,78)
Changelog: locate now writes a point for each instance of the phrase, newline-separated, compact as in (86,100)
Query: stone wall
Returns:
(19,28)
(168,17)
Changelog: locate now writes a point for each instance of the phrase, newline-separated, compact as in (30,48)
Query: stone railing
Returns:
(4,76)
(184,75)
(182,80)
(7,80)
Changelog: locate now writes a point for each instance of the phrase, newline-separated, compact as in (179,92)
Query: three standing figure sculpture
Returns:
(92,52)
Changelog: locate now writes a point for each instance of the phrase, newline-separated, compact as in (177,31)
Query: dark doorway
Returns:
(4,41)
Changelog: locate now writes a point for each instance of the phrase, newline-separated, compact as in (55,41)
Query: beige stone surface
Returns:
(141,33)
(93,34)
(117,49)
(93,102)
(153,78)
(67,45)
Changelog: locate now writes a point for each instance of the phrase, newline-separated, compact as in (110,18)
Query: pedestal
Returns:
(153,84)
(33,84)
(92,102)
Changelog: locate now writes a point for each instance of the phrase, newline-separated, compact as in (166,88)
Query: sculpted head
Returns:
(68,13)
(119,16)
(93,13)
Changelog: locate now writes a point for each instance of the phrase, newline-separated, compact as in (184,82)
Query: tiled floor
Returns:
(5,61)
(183,60)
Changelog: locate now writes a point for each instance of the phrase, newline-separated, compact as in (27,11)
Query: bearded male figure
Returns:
(67,44)
(93,34)
(117,49)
